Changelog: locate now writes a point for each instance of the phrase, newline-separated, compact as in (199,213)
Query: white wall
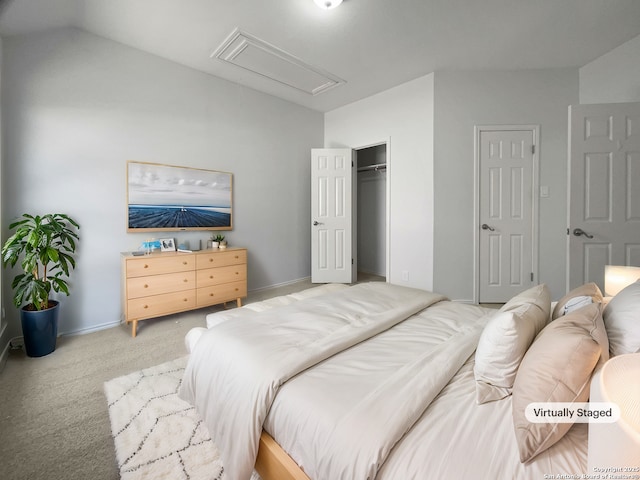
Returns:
(613,77)
(403,116)
(77,107)
(466,99)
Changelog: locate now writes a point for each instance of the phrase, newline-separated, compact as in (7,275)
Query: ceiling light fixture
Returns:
(327,4)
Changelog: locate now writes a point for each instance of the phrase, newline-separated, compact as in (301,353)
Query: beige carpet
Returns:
(54,421)
(156,434)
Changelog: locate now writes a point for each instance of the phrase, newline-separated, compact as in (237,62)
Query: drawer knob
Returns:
(211,259)
(184,263)
(146,286)
(211,294)
(185,280)
(146,266)
(146,306)
(185,299)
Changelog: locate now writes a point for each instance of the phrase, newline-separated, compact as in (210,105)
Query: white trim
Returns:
(477,130)
(283,284)
(96,328)
(4,355)
(239,42)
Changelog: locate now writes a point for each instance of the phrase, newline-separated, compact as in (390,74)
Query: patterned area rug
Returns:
(156,434)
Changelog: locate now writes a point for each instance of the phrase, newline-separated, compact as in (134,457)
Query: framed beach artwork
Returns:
(173,198)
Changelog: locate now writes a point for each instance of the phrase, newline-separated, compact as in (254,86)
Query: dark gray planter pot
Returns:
(40,330)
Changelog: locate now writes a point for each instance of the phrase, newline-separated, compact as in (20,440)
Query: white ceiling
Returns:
(371,45)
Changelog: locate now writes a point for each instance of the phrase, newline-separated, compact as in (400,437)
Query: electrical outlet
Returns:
(405,275)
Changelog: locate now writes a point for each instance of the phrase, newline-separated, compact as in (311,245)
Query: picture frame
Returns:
(173,198)
(167,245)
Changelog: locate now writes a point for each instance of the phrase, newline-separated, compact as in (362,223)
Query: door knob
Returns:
(316,223)
(487,227)
(578,231)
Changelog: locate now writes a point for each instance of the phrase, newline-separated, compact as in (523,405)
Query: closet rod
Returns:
(378,167)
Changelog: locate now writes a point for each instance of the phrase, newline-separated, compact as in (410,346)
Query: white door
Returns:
(332,235)
(507,182)
(604,185)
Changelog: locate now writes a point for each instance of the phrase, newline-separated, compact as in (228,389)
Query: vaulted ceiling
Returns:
(324,59)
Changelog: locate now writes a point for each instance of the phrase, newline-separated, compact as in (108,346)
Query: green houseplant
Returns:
(216,240)
(44,245)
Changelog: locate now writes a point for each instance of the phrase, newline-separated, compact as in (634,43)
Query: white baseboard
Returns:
(278,285)
(95,328)
(4,345)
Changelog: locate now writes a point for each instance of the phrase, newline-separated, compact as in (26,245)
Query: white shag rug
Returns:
(156,434)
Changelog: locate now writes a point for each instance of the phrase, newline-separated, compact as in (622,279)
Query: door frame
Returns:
(535,204)
(386,142)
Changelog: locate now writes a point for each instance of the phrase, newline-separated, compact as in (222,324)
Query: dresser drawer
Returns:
(158,284)
(221,293)
(157,305)
(151,265)
(216,276)
(221,259)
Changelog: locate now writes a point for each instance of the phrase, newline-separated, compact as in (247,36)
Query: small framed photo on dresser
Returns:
(167,245)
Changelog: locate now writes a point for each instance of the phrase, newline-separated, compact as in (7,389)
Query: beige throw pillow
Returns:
(557,368)
(504,341)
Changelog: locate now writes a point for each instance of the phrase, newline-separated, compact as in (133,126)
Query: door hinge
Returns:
(532,276)
(352,261)
(533,149)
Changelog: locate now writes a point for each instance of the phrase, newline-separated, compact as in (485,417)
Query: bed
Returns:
(387,382)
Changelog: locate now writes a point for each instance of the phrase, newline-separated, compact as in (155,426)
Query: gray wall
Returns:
(403,118)
(613,77)
(465,99)
(77,107)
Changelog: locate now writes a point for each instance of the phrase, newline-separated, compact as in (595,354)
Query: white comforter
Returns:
(237,367)
(453,438)
(341,419)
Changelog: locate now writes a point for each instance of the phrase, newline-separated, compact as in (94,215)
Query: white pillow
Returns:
(576,303)
(578,294)
(505,340)
(622,321)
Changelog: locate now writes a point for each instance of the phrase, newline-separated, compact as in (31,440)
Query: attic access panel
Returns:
(258,56)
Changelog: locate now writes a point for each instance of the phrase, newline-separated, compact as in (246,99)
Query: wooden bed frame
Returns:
(273,463)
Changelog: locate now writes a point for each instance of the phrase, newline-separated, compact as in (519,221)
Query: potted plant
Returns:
(216,239)
(45,246)
(219,239)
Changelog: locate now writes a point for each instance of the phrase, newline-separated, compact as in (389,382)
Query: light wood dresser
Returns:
(171,282)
